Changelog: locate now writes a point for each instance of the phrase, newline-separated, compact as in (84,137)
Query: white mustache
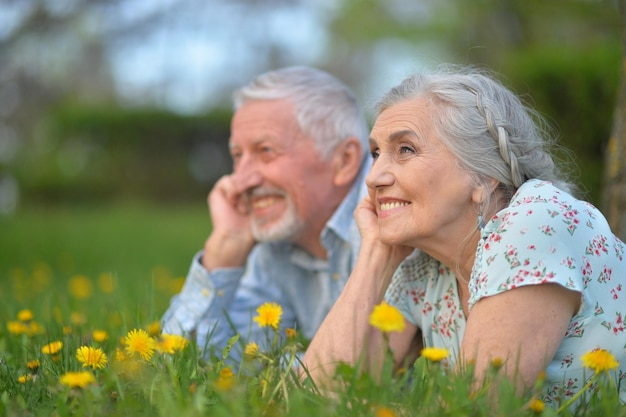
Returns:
(263,192)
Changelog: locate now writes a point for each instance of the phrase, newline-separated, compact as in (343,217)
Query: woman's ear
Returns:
(347,161)
(480,193)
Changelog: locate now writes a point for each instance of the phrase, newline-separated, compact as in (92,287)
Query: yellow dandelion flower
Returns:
(107,283)
(57,314)
(99,335)
(24,378)
(127,365)
(387,318)
(176,285)
(542,376)
(497,363)
(290,333)
(67,330)
(77,379)
(139,342)
(171,343)
(536,405)
(154,329)
(120,355)
(251,349)
(77,318)
(599,360)
(193,388)
(52,348)
(25,315)
(17,327)
(33,328)
(226,379)
(384,412)
(434,354)
(42,275)
(115,319)
(80,287)
(269,315)
(93,357)
(33,365)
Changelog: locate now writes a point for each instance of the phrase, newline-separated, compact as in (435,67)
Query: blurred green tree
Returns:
(563,54)
(614,198)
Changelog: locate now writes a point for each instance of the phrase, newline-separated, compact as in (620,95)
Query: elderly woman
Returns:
(510,265)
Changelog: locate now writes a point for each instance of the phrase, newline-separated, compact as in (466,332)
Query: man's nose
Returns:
(247,175)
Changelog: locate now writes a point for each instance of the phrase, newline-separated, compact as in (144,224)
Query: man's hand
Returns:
(231,240)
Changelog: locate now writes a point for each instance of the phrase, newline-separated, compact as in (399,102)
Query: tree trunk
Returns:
(614,198)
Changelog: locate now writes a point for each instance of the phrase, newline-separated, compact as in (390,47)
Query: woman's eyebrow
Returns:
(402,134)
(395,136)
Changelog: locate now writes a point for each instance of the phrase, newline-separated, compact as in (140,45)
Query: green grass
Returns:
(54,262)
(145,248)
(128,240)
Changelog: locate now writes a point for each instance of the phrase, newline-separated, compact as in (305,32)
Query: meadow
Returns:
(83,289)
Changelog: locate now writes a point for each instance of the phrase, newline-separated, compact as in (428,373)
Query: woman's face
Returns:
(422,197)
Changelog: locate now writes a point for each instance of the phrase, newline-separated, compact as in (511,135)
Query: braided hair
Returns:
(492,134)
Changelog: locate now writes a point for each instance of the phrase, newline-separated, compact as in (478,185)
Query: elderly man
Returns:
(283,225)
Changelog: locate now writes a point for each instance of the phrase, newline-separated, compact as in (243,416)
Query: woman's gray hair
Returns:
(485,126)
(326,109)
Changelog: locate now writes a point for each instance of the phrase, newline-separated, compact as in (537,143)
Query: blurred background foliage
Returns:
(115,114)
(99,102)
(94,154)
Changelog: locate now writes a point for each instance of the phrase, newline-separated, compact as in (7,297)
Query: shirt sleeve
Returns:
(214,306)
(201,291)
(540,238)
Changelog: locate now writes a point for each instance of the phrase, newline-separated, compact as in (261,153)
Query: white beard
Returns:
(286,228)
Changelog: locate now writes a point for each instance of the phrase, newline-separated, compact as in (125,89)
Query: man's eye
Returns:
(375,153)
(406,149)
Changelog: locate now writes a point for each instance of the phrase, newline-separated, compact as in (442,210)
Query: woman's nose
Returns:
(380,174)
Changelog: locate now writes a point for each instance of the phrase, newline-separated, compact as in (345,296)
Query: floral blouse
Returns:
(544,236)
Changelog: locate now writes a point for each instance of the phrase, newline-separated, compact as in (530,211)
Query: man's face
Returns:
(284,183)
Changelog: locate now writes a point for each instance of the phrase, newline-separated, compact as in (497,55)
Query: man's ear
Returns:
(347,161)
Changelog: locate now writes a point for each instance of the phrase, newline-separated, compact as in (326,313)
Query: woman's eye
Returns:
(406,149)
(375,153)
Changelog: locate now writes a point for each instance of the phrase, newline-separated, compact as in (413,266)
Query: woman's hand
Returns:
(367,222)
(367,219)
(334,342)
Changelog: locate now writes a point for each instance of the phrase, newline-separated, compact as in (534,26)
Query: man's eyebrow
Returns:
(254,142)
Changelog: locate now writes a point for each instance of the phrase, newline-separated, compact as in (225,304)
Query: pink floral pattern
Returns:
(544,236)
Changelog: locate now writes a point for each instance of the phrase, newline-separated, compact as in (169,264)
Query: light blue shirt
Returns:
(216,305)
